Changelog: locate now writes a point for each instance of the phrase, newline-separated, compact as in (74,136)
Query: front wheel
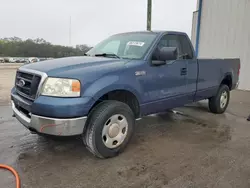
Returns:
(218,104)
(109,129)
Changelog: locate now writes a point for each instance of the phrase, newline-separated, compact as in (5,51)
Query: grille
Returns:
(27,84)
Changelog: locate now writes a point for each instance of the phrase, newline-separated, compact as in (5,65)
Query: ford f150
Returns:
(123,78)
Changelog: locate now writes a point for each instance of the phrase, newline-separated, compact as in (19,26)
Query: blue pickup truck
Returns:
(125,77)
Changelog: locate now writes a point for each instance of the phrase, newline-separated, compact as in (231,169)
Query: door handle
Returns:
(183,71)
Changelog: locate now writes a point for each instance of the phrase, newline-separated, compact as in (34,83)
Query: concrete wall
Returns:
(225,33)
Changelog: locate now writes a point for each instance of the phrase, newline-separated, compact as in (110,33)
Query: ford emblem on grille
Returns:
(21,83)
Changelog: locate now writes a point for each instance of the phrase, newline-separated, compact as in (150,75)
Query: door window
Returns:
(182,44)
(170,41)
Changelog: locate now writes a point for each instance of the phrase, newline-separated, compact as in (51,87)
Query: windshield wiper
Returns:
(107,55)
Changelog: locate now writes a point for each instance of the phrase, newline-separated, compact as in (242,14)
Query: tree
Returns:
(39,47)
(83,48)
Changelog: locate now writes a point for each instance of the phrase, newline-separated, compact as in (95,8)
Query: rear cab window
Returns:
(186,47)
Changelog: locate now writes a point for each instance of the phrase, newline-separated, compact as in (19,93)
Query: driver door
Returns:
(166,85)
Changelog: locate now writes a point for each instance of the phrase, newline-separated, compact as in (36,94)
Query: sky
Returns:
(91,20)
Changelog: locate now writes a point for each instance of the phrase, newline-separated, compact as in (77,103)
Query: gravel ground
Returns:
(196,149)
(7,77)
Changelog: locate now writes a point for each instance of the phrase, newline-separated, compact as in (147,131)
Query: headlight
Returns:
(61,87)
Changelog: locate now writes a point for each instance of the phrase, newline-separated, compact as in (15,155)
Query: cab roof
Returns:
(158,32)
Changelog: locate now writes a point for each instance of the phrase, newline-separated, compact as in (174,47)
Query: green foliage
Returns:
(16,47)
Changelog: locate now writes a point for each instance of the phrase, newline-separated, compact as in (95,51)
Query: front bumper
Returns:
(50,126)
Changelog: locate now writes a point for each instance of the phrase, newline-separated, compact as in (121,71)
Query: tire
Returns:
(215,104)
(100,121)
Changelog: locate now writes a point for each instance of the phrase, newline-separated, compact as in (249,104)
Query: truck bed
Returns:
(210,73)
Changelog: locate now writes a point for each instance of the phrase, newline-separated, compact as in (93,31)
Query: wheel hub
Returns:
(223,99)
(113,130)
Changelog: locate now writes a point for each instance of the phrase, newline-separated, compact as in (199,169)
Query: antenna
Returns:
(70,30)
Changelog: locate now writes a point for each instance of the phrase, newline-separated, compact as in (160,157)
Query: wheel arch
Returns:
(123,95)
(227,80)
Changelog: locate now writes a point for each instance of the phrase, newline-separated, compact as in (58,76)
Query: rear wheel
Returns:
(218,104)
(109,129)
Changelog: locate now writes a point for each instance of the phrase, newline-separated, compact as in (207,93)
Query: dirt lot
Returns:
(7,76)
(196,149)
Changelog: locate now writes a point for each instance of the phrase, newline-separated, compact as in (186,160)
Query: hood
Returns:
(71,63)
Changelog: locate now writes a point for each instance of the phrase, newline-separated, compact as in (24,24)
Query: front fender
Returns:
(110,83)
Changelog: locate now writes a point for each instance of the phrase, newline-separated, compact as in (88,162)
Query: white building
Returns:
(221,29)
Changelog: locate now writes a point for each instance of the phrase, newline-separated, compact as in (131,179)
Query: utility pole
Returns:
(149,15)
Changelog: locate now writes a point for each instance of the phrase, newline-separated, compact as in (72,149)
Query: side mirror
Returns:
(165,54)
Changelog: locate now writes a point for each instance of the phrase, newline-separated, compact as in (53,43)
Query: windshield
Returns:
(127,45)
